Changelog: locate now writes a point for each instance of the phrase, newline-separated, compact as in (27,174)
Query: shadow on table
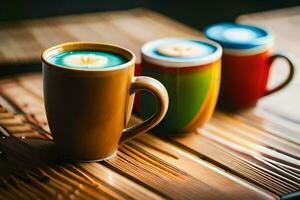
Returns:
(22,157)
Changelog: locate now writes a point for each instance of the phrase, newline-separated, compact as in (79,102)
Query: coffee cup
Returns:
(190,70)
(89,92)
(246,63)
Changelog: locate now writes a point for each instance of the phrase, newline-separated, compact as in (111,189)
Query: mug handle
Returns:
(291,65)
(157,89)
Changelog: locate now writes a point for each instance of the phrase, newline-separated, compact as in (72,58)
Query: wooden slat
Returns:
(24,41)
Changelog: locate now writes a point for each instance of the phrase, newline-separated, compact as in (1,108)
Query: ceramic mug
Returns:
(88,109)
(246,62)
(192,81)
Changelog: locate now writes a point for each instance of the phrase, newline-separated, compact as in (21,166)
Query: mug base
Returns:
(233,108)
(97,160)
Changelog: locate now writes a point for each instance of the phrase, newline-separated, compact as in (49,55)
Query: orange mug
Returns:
(88,109)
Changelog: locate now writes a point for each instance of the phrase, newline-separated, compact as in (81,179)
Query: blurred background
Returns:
(195,13)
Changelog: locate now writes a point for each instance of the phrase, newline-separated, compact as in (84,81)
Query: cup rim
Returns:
(266,39)
(248,52)
(172,64)
(92,46)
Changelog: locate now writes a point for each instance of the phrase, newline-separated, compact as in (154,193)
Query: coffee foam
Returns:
(85,60)
(88,59)
(239,34)
(183,50)
(236,37)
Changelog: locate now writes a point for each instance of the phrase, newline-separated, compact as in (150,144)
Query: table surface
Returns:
(249,155)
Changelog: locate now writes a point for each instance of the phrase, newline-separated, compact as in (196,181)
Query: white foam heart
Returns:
(239,34)
(85,60)
(182,50)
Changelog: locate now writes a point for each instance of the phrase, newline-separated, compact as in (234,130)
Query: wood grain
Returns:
(23,42)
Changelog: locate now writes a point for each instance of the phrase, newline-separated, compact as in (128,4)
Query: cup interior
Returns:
(71,46)
(150,52)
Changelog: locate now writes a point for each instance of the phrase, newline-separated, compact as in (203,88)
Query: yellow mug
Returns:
(88,109)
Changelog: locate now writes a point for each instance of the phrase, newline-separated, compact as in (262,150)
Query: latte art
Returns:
(88,59)
(239,34)
(182,50)
(82,60)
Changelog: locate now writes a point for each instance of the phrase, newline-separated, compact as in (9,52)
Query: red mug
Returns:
(246,62)
(245,77)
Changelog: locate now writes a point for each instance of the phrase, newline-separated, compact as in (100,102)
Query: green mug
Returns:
(190,69)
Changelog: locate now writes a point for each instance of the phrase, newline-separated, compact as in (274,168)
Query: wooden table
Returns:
(250,155)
